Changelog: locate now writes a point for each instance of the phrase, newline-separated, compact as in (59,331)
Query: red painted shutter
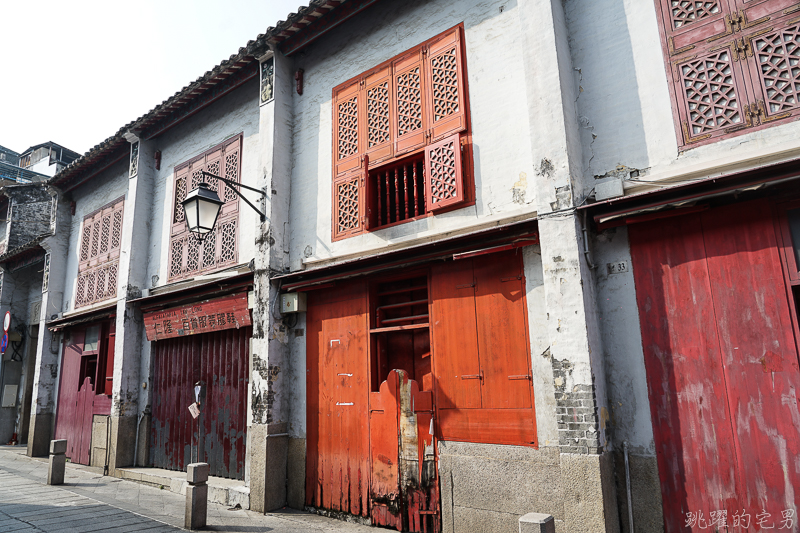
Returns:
(410,116)
(109,364)
(454,336)
(348,204)
(758,349)
(689,24)
(348,140)
(444,179)
(377,94)
(502,331)
(444,72)
(685,378)
(98,260)
(180,190)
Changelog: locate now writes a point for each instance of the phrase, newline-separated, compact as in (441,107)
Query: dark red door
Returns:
(81,391)
(722,365)
(219,362)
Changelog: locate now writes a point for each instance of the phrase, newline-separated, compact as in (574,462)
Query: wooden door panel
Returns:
(502,331)
(337,468)
(759,353)
(686,383)
(454,334)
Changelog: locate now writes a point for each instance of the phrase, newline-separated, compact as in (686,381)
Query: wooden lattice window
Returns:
(390,126)
(187,256)
(98,259)
(734,65)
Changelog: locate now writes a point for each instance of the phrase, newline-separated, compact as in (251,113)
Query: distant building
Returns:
(47,158)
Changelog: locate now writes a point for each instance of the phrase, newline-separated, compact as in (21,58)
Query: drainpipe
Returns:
(586,252)
(628,485)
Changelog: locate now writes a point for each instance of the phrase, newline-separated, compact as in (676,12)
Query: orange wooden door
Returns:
(337,467)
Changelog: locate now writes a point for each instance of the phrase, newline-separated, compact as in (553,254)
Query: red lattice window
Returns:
(98,258)
(187,256)
(386,122)
(734,65)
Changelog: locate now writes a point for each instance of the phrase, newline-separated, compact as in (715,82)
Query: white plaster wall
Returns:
(625,110)
(234,113)
(618,313)
(43,166)
(541,360)
(90,196)
(497,89)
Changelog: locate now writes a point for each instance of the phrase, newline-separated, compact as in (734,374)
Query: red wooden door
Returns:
(337,468)
(721,363)
(759,353)
(219,362)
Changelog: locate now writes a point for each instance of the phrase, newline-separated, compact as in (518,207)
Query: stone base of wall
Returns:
(487,487)
(296,474)
(648,513)
(40,434)
(97,456)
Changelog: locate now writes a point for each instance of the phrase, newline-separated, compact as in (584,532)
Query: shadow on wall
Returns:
(608,104)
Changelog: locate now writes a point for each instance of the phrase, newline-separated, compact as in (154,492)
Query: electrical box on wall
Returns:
(293,302)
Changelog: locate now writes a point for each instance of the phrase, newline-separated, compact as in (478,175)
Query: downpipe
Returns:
(628,485)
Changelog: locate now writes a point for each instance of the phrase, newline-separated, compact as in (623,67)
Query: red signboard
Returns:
(201,317)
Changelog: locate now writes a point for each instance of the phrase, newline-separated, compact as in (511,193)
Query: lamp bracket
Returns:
(233,185)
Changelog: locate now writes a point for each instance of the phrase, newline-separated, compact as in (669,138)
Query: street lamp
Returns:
(202,205)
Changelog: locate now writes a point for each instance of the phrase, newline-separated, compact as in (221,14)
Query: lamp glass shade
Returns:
(202,207)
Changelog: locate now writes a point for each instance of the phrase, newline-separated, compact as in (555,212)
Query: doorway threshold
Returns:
(230,492)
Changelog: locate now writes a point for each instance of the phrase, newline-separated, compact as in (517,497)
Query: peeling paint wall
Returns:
(497,87)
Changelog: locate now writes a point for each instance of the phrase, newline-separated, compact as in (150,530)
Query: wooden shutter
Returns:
(444,180)
(98,260)
(454,336)
(187,256)
(347,127)
(502,331)
(107,386)
(687,24)
(348,204)
(379,101)
(410,116)
(444,71)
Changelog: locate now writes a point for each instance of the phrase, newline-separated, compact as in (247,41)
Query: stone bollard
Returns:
(55,472)
(196,496)
(537,523)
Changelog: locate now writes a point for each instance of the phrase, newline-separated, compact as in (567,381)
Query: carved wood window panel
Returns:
(734,65)
(389,119)
(98,254)
(187,256)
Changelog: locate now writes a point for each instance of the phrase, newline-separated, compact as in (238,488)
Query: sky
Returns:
(75,72)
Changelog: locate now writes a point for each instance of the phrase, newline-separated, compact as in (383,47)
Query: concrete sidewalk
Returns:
(89,501)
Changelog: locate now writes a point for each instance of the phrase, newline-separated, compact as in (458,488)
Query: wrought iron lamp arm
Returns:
(233,185)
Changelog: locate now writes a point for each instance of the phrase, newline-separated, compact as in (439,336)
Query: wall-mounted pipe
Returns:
(628,485)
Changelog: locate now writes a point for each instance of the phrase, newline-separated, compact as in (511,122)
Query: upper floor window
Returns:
(98,262)
(732,64)
(398,136)
(188,256)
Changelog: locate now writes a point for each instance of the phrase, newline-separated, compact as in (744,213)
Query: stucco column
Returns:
(49,346)
(269,407)
(125,399)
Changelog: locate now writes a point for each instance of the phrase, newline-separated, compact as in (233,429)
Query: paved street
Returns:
(89,501)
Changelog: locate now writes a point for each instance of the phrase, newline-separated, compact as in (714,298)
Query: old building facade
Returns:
(501,258)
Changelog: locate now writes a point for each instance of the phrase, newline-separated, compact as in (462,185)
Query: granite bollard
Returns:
(196,496)
(537,523)
(55,472)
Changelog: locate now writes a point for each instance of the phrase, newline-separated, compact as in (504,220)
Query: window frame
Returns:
(735,29)
(91,266)
(183,179)
(359,164)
